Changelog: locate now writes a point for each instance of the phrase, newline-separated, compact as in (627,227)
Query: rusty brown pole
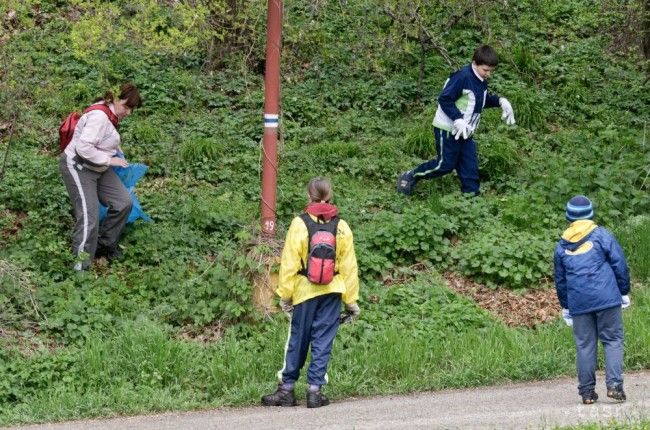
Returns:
(271,117)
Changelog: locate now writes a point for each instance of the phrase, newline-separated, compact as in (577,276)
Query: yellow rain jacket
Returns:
(297,287)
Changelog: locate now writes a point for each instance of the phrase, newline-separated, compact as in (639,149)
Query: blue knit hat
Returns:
(579,207)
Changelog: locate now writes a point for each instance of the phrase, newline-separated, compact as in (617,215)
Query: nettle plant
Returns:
(404,239)
(498,256)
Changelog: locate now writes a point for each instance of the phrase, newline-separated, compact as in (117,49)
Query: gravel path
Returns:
(517,406)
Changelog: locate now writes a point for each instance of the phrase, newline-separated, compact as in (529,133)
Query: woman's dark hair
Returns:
(485,55)
(128,92)
(320,189)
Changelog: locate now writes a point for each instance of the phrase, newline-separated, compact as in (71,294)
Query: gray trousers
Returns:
(86,189)
(606,325)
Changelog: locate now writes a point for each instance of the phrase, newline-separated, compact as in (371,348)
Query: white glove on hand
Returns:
(351,313)
(626,301)
(508,115)
(286,305)
(567,317)
(353,309)
(461,128)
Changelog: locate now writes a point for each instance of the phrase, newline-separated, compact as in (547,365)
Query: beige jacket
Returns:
(95,140)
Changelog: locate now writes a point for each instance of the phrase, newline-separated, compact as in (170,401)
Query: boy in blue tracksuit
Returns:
(460,104)
(592,283)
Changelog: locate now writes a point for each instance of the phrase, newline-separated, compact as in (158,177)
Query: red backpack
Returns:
(66,130)
(321,257)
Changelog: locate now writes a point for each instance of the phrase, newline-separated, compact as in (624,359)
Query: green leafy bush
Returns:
(404,239)
(499,157)
(464,213)
(502,256)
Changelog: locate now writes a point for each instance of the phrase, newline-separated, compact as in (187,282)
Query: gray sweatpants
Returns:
(606,325)
(86,189)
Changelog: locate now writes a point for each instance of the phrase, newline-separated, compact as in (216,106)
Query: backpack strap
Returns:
(109,113)
(312,228)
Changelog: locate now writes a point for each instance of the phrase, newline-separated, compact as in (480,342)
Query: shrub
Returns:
(404,239)
(500,256)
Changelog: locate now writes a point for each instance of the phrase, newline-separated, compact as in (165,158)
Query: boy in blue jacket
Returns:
(460,104)
(592,283)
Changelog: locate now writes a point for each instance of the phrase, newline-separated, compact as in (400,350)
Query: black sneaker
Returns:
(279,398)
(111,253)
(316,399)
(617,393)
(405,183)
(589,398)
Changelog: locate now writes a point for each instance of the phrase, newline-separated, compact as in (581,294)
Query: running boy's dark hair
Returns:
(320,189)
(485,55)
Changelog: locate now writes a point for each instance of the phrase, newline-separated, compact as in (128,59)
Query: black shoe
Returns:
(112,253)
(590,397)
(617,393)
(279,398)
(316,399)
(405,183)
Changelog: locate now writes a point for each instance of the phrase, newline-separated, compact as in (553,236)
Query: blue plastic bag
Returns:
(129,176)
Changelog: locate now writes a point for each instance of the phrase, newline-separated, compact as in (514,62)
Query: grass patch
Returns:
(634,237)
(630,424)
(414,337)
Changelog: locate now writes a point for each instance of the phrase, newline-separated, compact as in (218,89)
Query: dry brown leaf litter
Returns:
(528,309)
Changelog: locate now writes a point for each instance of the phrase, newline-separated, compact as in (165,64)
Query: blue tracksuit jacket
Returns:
(464,95)
(590,269)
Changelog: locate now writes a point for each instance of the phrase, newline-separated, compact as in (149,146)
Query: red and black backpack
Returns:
(66,130)
(321,257)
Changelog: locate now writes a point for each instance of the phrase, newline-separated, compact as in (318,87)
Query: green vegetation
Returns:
(643,424)
(423,337)
(355,108)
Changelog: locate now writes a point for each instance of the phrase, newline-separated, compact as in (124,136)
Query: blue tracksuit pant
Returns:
(314,321)
(606,325)
(459,155)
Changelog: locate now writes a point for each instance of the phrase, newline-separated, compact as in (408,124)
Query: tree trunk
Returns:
(423,60)
(645,29)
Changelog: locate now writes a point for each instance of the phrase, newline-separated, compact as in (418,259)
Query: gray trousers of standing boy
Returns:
(86,189)
(606,325)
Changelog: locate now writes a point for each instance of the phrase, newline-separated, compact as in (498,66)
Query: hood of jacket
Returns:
(324,211)
(577,234)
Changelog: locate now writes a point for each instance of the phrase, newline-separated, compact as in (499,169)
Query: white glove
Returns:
(626,301)
(351,313)
(353,309)
(567,317)
(286,305)
(461,128)
(508,115)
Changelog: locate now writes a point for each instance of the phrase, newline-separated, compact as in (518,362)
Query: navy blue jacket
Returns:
(464,95)
(590,269)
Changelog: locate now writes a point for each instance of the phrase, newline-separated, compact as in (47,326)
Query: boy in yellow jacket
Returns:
(314,307)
